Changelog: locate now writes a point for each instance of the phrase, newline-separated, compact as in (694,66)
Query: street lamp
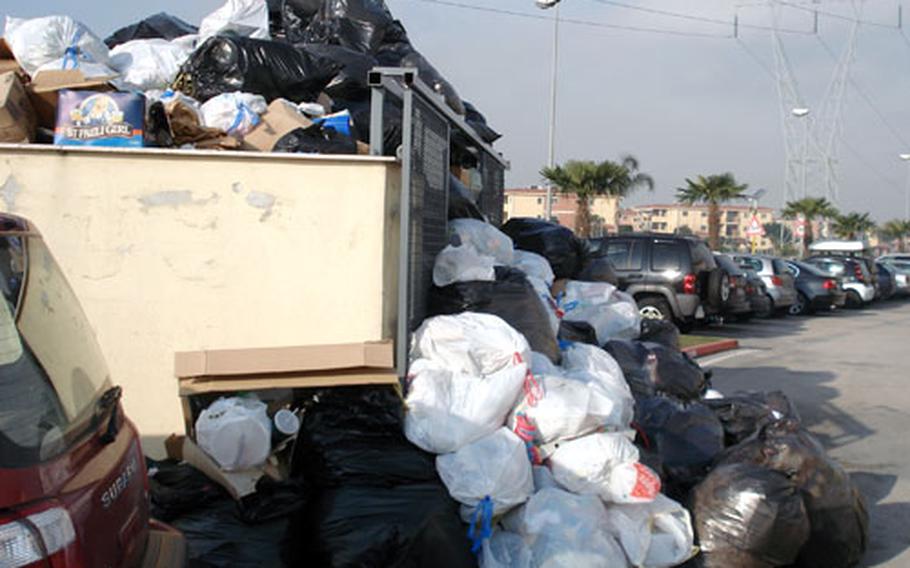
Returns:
(906,158)
(804,113)
(551,156)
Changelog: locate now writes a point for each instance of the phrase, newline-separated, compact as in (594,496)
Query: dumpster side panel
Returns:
(173,251)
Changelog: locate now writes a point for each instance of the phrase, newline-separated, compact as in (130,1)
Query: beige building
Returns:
(734,221)
(531,202)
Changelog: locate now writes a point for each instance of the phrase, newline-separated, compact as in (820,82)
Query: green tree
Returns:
(811,208)
(713,190)
(852,226)
(587,180)
(774,232)
(897,230)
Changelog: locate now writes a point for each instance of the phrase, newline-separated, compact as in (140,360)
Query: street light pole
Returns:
(803,113)
(906,158)
(551,153)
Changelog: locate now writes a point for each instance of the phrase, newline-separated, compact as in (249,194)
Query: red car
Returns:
(73,484)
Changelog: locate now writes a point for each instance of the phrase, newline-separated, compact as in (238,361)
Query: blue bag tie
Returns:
(71,56)
(484,514)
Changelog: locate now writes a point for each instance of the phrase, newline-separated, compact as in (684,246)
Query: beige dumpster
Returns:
(181,251)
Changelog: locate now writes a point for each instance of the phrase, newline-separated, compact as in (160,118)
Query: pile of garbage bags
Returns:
(314,55)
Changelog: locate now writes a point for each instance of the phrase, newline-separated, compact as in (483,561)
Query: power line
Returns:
(834,15)
(756,58)
(697,18)
(578,22)
(896,186)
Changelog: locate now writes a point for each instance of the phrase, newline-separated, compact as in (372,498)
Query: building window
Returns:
(704,228)
(540,200)
(685,213)
(731,216)
(704,213)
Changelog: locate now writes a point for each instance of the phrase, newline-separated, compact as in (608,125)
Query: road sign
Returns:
(755,228)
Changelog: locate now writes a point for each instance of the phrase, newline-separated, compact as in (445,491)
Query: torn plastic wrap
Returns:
(748,516)
(158,26)
(271,69)
(511,297)
(559,245)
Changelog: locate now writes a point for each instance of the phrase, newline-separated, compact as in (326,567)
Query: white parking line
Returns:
(723,357)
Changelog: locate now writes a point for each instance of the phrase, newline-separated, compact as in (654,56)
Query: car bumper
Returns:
(782,297)
(828,301)
(865,291)
(761,303)
(688,305)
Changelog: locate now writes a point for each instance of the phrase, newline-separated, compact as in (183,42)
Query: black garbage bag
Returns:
(461,202)
(510,297)
(478,122)
(660,331)
(651,368)
(227,63)
(216,536)
(350,83)
(686,436)
(177,488)
(160,25)
(272,500)
(556,243)
(598,269)
(577,332)
(391,122)
(747,516)
(374,499)
(838,517)
(356,24)
(315,139)
(745,414)
(296,16)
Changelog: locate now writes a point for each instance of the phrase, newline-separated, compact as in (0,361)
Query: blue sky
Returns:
(683,105)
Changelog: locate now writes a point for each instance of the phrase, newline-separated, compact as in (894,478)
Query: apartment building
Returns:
(674,218)
(531,202)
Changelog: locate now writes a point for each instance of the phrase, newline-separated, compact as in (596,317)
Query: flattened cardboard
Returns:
(238,483)
(206,385)
(280,118)
(45,86)
(17,117)
(275,360)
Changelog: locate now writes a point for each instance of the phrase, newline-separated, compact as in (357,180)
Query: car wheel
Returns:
(718,288)
(769,312)
(801,306)
(655,309)
(854,300)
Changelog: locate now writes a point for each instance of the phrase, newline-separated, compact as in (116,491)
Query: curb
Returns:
(712,348)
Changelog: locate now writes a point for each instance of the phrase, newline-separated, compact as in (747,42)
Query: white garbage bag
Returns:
(487,239)
(235,113)
(566,530)
(533,265)
(462,264)
(506,550)
(57,42)
(236,432)
(543,478)
(541,365)
(612,314)
(593,365)
(146,64)
(604,464)
(248,18)
(653,535)
(495,467)
(564,408)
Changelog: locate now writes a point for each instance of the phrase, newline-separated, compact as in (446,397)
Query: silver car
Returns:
(779,282)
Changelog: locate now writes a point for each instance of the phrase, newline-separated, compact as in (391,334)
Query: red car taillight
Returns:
(689,284)
(829,285)
(777,281)
(859,273)
(36,538)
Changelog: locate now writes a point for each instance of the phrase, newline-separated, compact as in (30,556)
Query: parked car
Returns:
(671,277)
(762,305)
(738,305)
(855,276)
(73,484)
(887,280)
(899,256)
(779,283)
(901,269)
(859,251)
(815,290)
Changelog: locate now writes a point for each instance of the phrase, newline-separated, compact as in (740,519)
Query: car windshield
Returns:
(51,369)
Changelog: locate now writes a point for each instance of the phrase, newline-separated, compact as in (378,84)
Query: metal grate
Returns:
(491,195)
(429,167)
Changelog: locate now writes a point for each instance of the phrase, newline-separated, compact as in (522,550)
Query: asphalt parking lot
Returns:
(848,374)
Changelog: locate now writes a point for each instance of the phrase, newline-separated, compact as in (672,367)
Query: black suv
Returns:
(672,277)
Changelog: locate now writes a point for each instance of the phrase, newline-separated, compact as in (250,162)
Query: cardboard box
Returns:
(300,360)
(91,118)
(238,483)
(279,119)
(8,60)
(46,85)
(17,117)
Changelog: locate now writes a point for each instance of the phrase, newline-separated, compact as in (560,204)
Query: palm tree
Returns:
(713,190)
(811,208)
(587,180)
(852,225)
(897,229)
